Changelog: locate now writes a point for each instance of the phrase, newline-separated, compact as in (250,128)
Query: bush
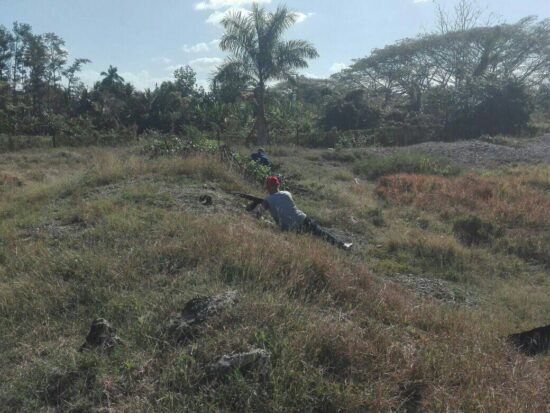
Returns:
(407,130)
(489,108)
(251,169)
(376,166)
(472,230)
(167,144)
(353,111)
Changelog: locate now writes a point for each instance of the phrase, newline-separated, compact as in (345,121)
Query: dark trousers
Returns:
(309,225)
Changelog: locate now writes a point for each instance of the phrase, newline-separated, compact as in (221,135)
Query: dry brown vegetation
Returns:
(124,237)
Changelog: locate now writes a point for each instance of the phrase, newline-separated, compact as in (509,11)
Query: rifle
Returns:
(255,200)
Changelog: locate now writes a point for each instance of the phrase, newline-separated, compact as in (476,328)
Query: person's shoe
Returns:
(346,246)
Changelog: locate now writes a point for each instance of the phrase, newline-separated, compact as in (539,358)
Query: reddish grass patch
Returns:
(508,200)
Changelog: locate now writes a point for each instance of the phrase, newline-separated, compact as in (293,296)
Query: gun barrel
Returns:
(248,196)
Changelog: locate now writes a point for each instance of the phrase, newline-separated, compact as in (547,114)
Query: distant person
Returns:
(260,157)
(289,218)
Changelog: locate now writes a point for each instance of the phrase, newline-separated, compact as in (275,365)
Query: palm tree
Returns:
(111,77)
(259,54)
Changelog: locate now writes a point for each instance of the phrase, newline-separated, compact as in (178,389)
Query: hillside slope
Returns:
(89,233)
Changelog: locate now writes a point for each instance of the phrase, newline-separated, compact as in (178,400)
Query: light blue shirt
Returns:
(284,211)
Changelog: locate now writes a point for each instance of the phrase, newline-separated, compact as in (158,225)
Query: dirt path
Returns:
(481,153)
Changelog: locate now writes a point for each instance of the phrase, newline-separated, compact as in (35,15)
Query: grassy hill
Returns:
(446,263)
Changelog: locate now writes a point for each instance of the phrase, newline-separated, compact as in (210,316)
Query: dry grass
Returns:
(504,198)
(340,339)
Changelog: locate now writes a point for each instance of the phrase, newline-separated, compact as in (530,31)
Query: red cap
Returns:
(272,181)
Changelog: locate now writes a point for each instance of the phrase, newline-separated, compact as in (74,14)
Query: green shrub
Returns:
(251,169)
(165,144)
(473,230)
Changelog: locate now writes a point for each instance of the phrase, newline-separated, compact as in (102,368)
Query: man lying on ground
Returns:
(261,157)
(289,218)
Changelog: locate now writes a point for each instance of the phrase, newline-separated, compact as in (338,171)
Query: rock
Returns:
(197,311)
(101,336)
(256,359)
(205,200)
(533,341)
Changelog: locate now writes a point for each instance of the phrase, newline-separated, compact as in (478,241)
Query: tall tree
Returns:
(35,60)
(56,55)
(20,41)
(71,74)
(260,54)
(111,78)
(6,53)
(186,80)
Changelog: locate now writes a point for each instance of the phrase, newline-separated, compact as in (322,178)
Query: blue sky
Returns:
(148,39)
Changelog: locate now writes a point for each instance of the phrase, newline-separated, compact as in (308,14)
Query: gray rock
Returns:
(196,311)
(479,153)
(102,336)
(256,359)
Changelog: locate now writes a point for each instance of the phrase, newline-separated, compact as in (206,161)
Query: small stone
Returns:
(197,311)
(101,336)
(205,200)
(256,359)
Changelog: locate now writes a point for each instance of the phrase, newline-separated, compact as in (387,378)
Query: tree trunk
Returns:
(261,121)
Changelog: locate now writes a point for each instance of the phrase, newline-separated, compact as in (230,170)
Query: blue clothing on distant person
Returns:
(260,157)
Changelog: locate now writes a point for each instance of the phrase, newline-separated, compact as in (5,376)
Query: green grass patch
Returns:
(373,166)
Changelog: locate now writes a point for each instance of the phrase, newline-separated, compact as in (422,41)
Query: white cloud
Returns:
(196,48)
(201,47)
(201,65)
(205,64)
(336,67)
(89,77)
(216,17)
(161,60)
(300,17)
(313,76)
(143,79)
(420,1)
(221,4)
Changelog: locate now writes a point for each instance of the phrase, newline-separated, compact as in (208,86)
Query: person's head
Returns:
(261,150)
(272,184)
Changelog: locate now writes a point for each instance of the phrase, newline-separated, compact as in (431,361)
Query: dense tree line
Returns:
(465,80)
(41,93)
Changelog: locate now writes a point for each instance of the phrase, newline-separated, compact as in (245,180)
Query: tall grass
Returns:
(340,339)
(373,166)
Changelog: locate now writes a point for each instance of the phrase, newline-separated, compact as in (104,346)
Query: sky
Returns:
(148,39)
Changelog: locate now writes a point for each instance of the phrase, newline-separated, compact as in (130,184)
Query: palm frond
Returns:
(292,55)
(255,41)
(280,20)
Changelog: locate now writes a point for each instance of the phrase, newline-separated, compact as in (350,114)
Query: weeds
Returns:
(376,166)
(340,339)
